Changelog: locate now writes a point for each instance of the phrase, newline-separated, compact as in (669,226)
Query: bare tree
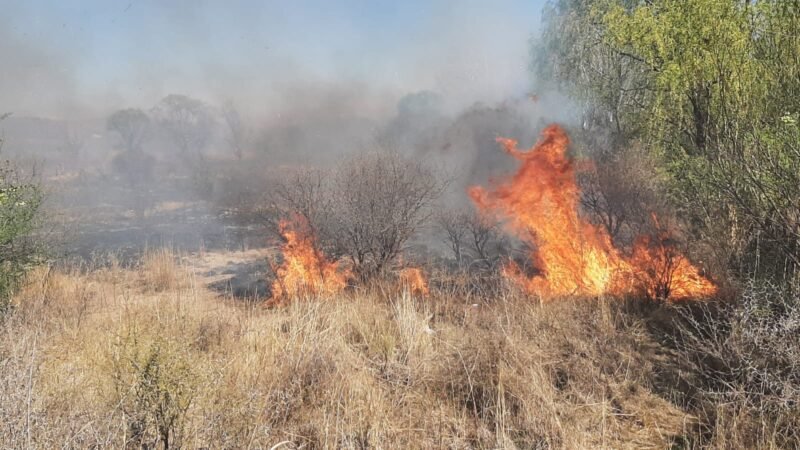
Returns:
(487,240)
(134,166)
(366,209)
(236,131)
(187,121)
(474,235)
(131,125)
(452,223)
(380,201)
(305,192)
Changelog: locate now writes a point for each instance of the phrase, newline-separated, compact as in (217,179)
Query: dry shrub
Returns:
(161,271)
(366,209)
(154,386)
(746,367)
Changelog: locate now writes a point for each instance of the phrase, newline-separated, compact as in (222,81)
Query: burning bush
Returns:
(305,269)
(414,280)
(366,209)
(572,255)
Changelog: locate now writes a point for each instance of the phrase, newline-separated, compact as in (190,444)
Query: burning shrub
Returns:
(381,200)
(663,272)
(365,210)
(305,269)
(414,280)
(573,255)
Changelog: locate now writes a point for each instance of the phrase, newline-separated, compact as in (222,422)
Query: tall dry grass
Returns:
(124,358)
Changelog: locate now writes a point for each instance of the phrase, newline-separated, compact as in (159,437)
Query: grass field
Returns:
(148,357)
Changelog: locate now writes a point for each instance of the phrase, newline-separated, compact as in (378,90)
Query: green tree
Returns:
(726,75)
(711,88)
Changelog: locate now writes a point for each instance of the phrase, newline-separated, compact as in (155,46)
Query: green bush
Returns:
(20,201)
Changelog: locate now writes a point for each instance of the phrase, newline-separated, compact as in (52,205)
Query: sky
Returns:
(63,58)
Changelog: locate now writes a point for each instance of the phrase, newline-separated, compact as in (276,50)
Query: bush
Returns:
(367,209)
(155,386)
(20,200)
(747,360)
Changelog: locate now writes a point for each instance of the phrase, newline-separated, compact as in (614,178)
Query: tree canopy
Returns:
(710,87)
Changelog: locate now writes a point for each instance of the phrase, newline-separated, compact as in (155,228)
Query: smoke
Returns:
(312,82)
(36,78)
(97,57)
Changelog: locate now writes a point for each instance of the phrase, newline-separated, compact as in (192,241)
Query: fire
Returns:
(572,255)
(305,270)
(665,273)
(414,280)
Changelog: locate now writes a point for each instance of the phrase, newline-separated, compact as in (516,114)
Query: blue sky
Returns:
(105,53)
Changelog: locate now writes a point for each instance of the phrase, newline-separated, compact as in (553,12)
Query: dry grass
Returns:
(161,271)
(124,358)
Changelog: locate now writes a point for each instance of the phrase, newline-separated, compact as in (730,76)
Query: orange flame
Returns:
(415,280)
(572,255)
(305,270)
(665,273)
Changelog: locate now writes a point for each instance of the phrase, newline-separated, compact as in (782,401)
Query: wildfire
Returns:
(665,273)
(572,255)
(305,270)
(414,280)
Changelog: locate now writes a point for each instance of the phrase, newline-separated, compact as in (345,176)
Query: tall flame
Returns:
(572,255)
(305,270)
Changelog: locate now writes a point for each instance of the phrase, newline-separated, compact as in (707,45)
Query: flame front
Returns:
(572,255)
(414,280)
(305,270)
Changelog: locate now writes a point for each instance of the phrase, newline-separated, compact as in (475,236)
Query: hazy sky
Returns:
(90,56)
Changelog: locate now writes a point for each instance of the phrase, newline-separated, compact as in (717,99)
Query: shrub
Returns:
(20,200)
(367,209)
(155,386)
(747,360)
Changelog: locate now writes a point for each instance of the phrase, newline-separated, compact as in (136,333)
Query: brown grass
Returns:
(122,358)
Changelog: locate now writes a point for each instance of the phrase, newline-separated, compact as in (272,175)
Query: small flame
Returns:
(415,281)
(305,270)
(665,273)
(572,255)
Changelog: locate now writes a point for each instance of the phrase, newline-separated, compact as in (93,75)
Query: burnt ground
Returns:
(237,274)
(92,223)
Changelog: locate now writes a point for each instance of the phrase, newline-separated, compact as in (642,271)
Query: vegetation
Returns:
(702,98)
(20,199)
(710,89)
(682,180)
(19,204)
(366,210)
(143,357)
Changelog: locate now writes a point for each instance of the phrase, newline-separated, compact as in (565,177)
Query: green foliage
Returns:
(712,87)
(19,205)
(573,55)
